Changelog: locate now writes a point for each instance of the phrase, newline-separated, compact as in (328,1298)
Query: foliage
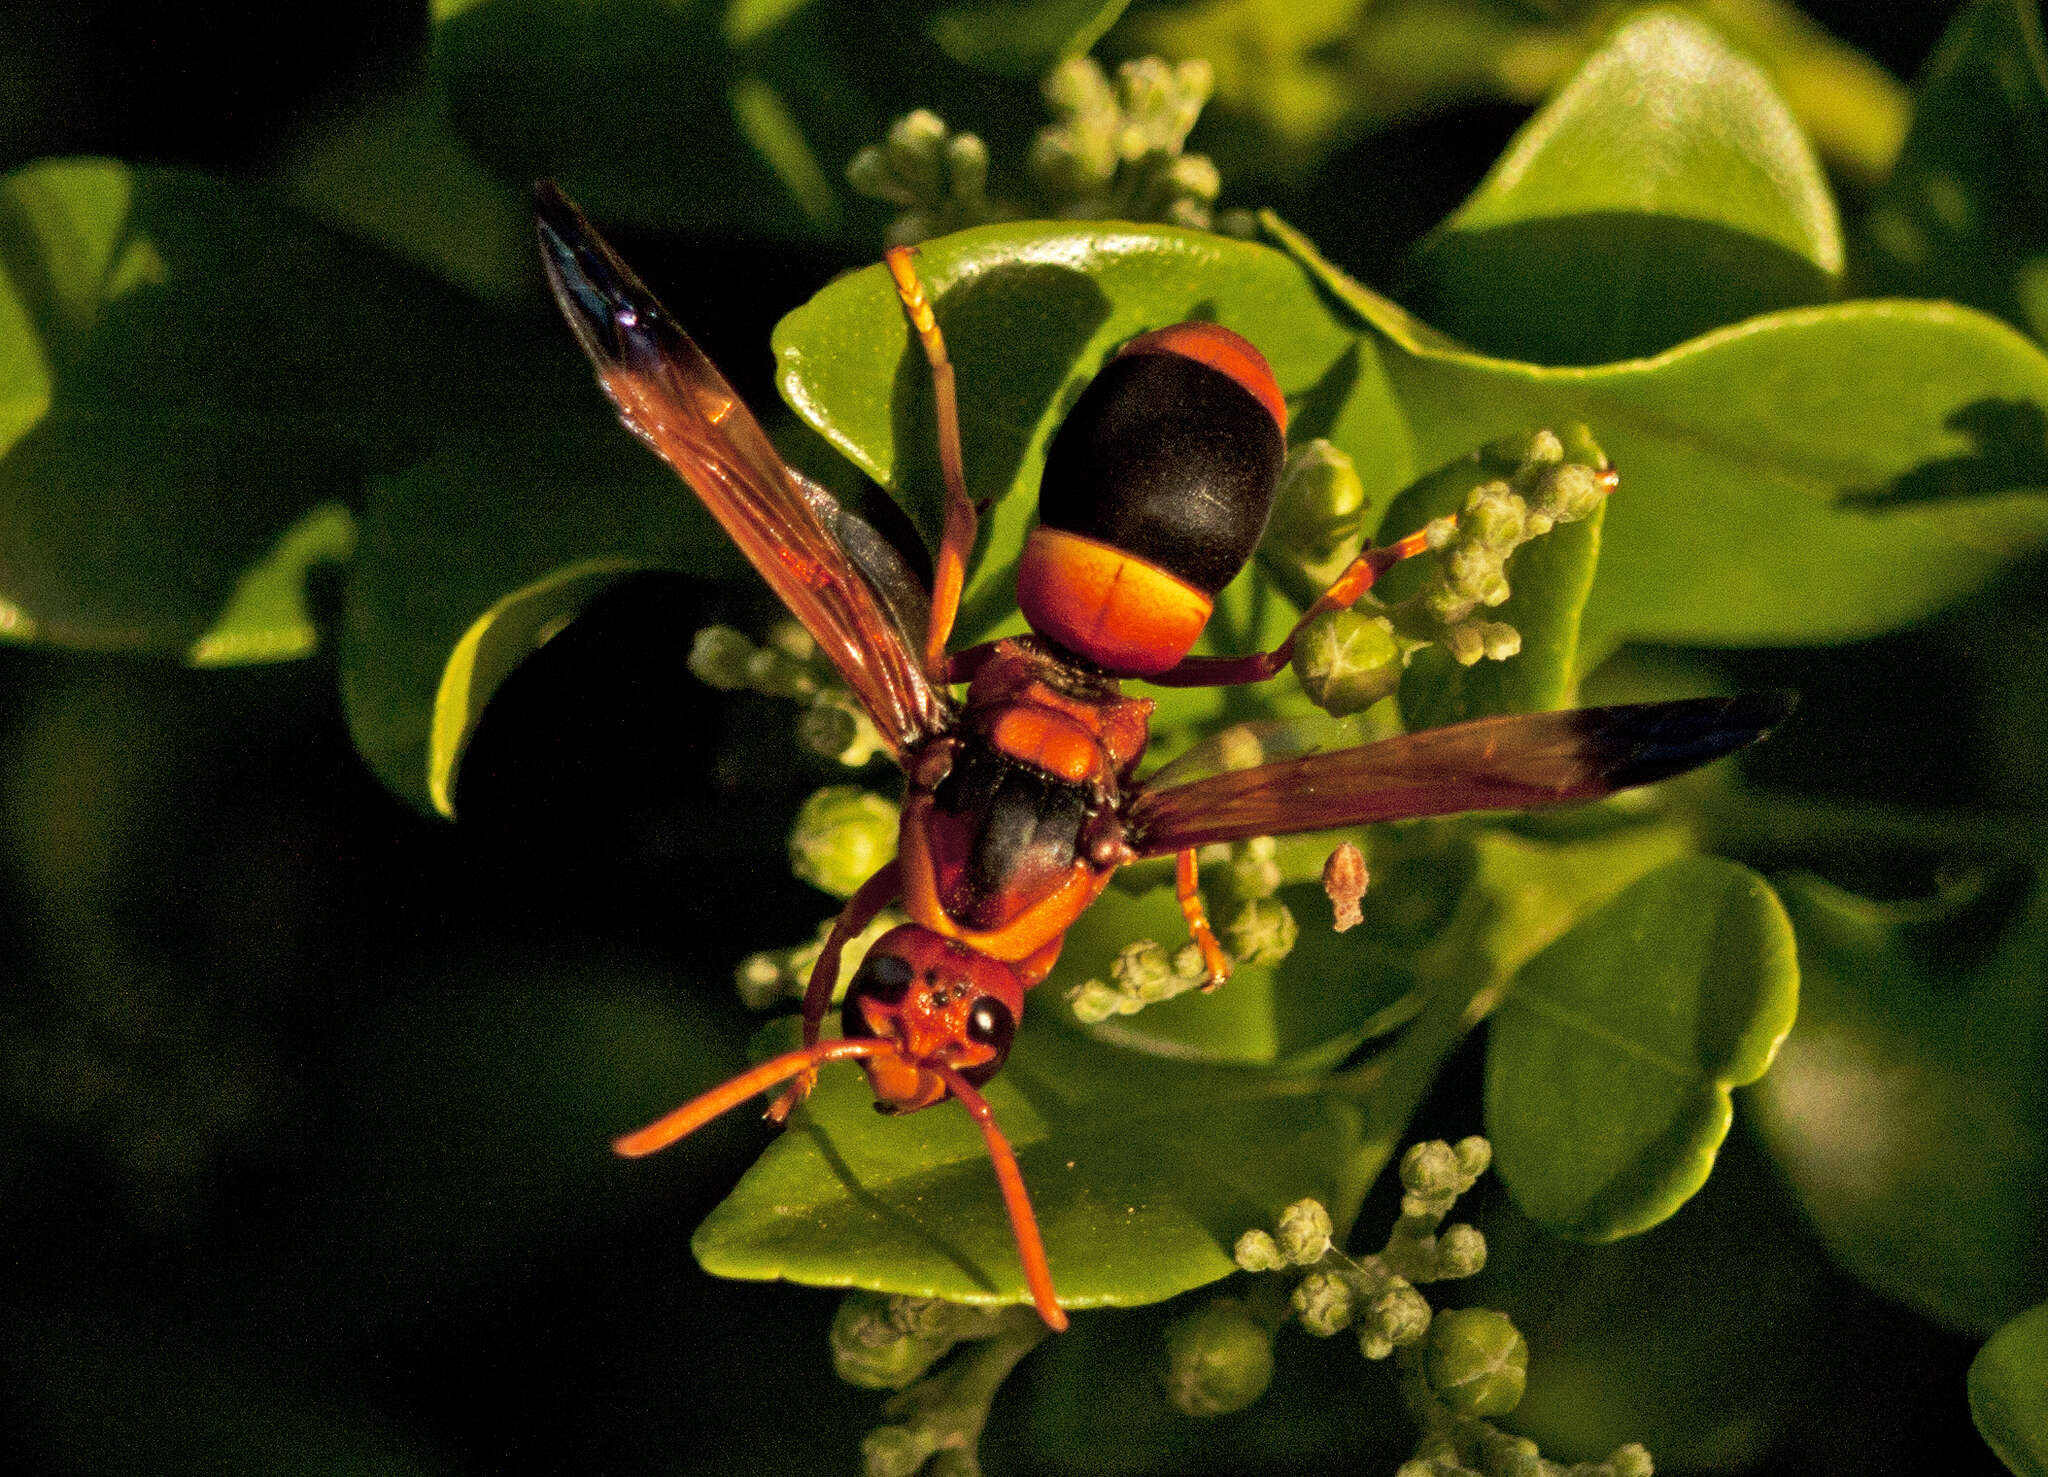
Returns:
(316,408)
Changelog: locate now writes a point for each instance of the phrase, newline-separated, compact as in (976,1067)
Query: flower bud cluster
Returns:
(788,665)
(1261,930)
(1543,487)
(936,178)
(1116,151)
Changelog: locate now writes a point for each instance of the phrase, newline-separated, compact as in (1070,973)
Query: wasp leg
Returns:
(949,574)
(874,895)
(1359,576)
(1186,883)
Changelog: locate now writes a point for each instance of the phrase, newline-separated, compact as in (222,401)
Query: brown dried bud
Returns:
(1345,879)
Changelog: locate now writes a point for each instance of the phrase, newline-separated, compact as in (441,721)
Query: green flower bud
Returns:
(1347,660)
(1077,85)
(1324,1302)
(1319,505)
(843,835)
(895,1451)
(1093,1002)
(1494,515)
(868,173)
(1498,639)
(1142,968)
(916,142)
(1460,1251)
(1477,1362)
(1568,492)
(1195,177)
(760,980)
(1262,932)
(1189,967)
(1399,1316)
(1632,1460)
(1438,533)
(778,674)
(1465,644)
(871,1351)
(967,167)
(1219,1359)
(826,729)
(718,658)
(1257,1251)
(1475,1156)
(1254,872)
(1431,1168)
(1304,1232)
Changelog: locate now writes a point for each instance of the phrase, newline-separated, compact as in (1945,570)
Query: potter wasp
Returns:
(1022,795)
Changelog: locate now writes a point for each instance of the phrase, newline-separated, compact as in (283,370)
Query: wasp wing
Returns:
(1523,761)
(856,598)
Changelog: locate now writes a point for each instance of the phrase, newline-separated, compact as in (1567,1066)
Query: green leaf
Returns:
(2009,1392)
(473,558)
(200,384)
(1610,1062)
(1667,190)
(1023,38)
(1965,213)
(734,128)
(1551,577)
(1143,1172)
(1906,1110)
(1813,475)
(393,170)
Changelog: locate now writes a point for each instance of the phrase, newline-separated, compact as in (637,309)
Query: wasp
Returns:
(1022,795)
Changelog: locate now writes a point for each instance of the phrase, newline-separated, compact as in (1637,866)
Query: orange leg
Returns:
(1186,882)
(1358,577)
(956,544)
(1030,1248)
(874,895)
(699,1111)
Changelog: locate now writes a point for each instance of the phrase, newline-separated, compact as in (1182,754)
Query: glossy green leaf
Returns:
(477,555)
(1610,1062)
(660,114)
(1023,38)
(1143,1172)
(1812,475)
(1906,1110)
(1551,578)
(201,383)
(1965,213)
(1667,190)
(2009,1392)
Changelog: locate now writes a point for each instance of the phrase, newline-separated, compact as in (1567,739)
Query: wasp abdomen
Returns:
(1156,491)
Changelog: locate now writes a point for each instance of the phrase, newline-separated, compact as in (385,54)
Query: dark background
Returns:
(274,1044)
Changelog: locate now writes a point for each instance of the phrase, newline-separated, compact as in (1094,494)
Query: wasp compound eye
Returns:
(882,978)
(990,1024)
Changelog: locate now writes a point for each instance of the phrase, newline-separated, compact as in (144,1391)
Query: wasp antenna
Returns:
(1030,1248)
(699,1111)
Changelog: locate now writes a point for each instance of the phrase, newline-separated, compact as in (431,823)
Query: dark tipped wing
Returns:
(1520,762)
(830,568)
